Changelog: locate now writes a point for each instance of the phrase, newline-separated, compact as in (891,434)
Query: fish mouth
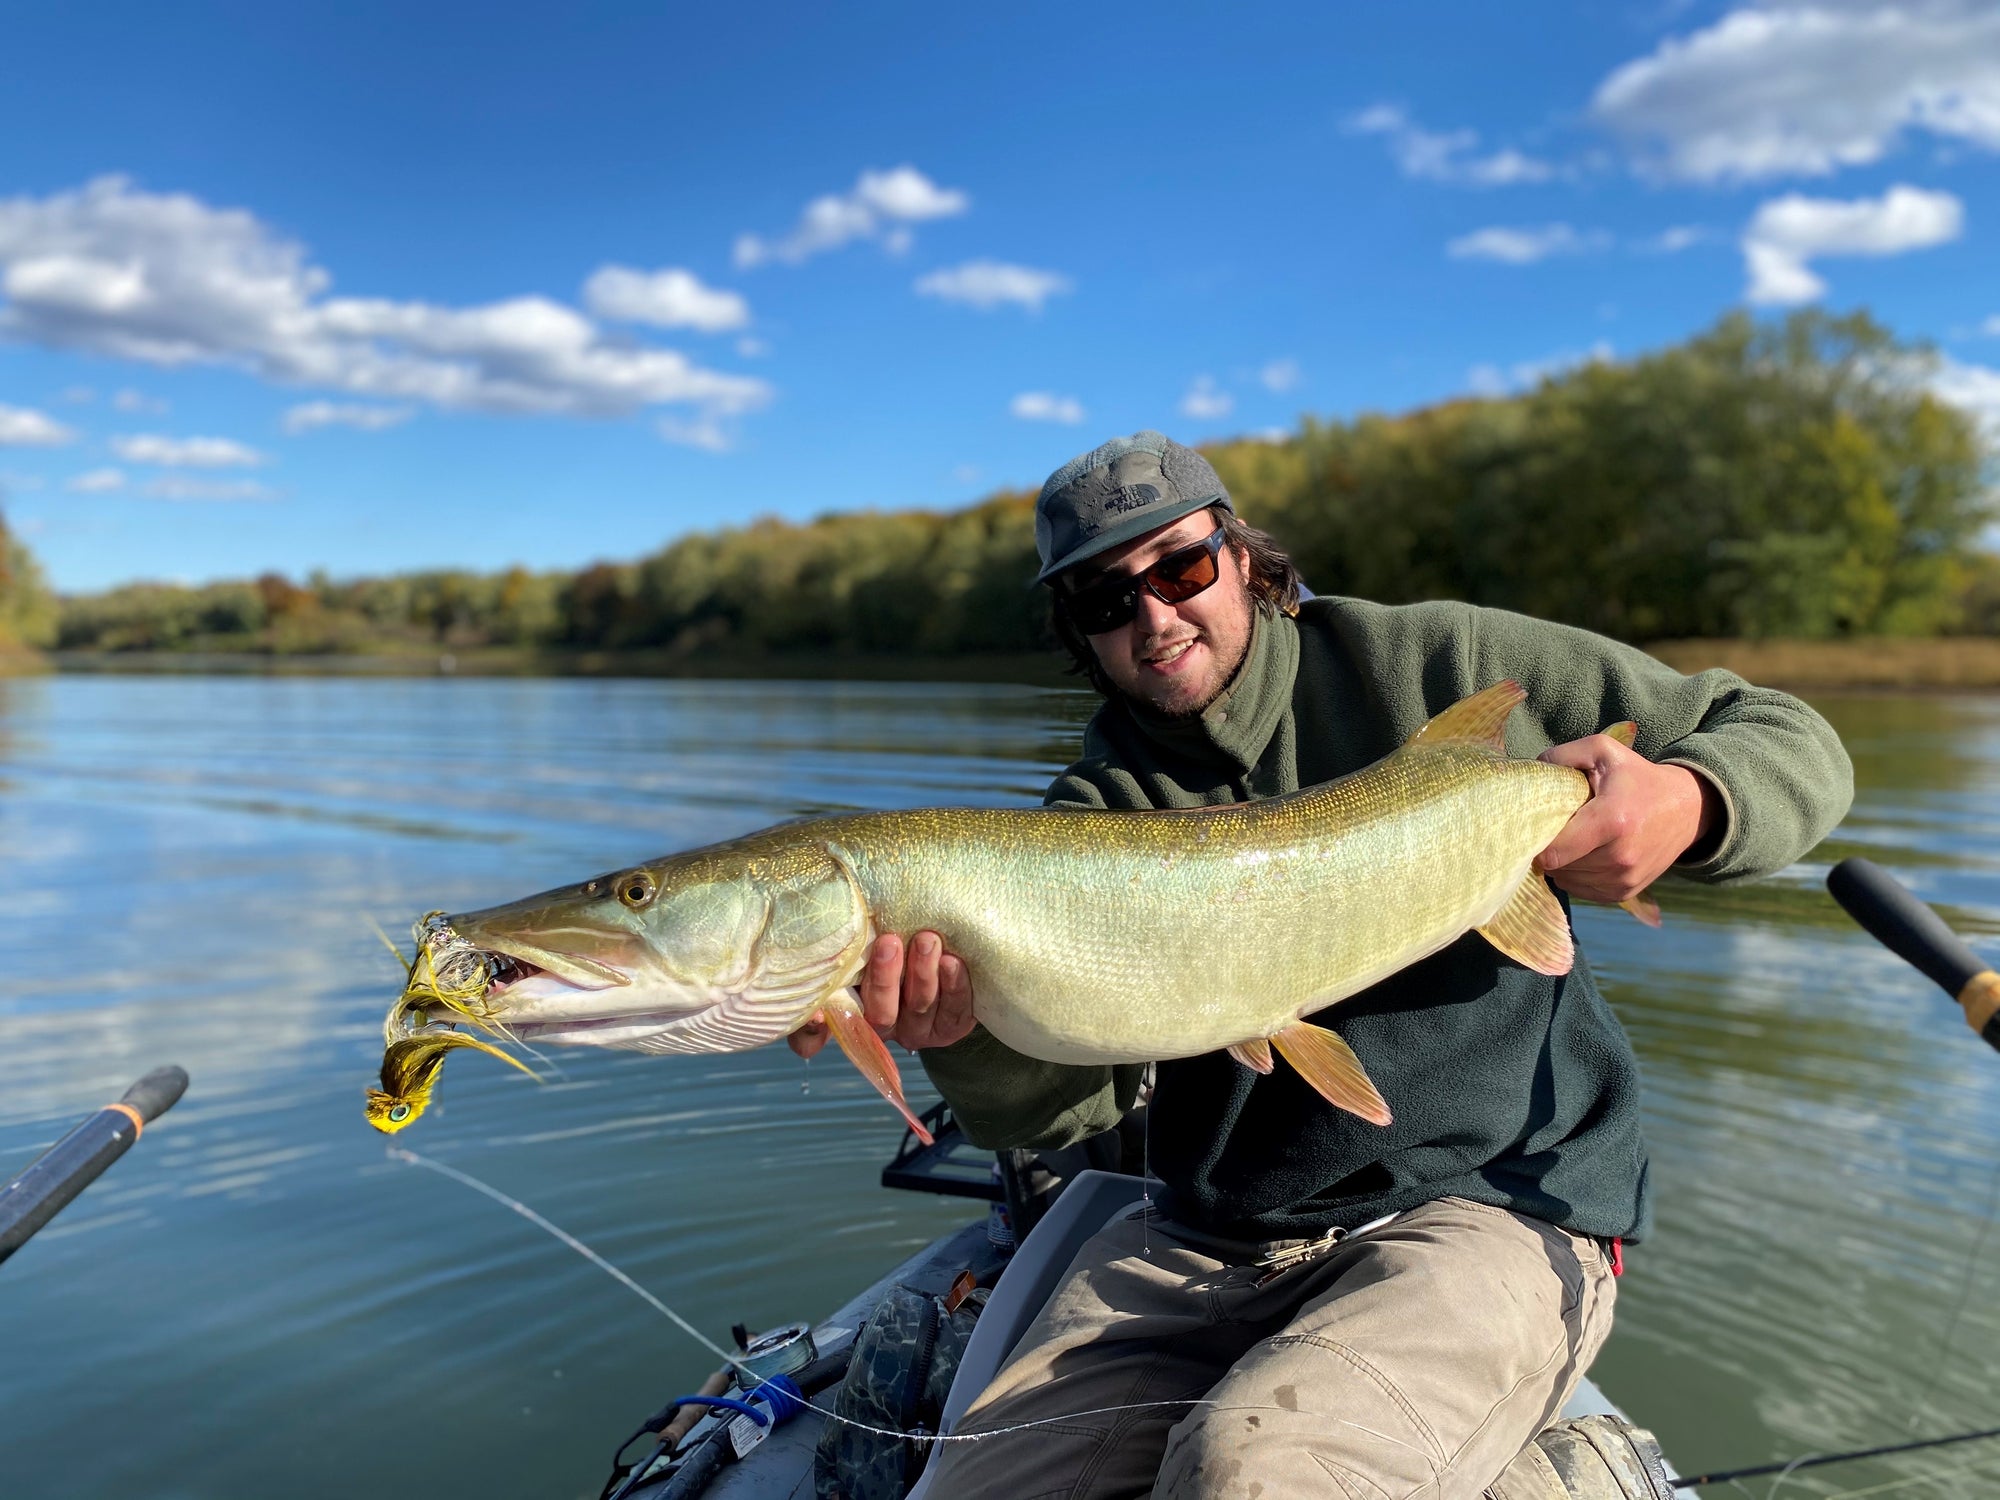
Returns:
(468,956)
(514,966)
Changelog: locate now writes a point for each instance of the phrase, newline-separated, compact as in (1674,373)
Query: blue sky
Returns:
(371,287)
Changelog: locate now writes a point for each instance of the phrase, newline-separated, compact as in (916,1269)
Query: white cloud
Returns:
(698,432)
(185,453)
(1991,326)
(1525,375)
(1046,406)
(1808,89)
(79,395)
(168,280)
(1678,238)
(1446,156)
(667,298)
(181,487)
(130,400)
(881,206)
(97,482)
(1205,401)
(1524,246)
(752,348)
(1974,388)
(309,416)
(1790,231)
(986,284)
(18,483)
(1280,375)
(24,427)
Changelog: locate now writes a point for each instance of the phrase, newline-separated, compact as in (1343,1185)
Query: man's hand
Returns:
(923,999)
(1640,818)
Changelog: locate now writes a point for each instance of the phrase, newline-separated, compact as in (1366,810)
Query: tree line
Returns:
(1787,479)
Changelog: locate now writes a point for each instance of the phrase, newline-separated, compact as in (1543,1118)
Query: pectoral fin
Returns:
(1254,1054)
(1625,733)
(1327,1063)
(867,1052)
(1531,928)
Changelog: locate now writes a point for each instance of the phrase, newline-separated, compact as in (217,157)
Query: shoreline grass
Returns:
(1888,664)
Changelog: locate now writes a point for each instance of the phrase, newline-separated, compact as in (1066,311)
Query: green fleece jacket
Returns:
(1509,1087)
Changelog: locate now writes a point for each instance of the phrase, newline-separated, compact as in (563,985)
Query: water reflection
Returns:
(188,869)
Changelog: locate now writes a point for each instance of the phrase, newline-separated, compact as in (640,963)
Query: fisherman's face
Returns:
(1176,658)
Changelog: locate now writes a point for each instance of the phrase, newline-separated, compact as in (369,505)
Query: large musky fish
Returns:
(1089,937)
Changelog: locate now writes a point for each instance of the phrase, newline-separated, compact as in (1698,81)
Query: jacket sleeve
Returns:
(1783,777)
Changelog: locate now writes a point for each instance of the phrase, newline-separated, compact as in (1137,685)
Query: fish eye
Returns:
(398,1113)
(636,889)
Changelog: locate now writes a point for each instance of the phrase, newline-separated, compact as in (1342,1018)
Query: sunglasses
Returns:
(1174,579)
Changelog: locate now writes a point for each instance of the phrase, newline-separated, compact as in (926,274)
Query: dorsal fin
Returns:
(1481,717)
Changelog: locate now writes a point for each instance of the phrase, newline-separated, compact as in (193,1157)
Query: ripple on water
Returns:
(188,870)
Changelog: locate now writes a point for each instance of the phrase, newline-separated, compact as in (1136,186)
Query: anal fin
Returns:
(1254,1054)
(1532,930)
(870,1055)
(1327,1063)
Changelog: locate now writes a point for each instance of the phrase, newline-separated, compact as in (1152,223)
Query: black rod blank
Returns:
(1894,916)
(74,1162)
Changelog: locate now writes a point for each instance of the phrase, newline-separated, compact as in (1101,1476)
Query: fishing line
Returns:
(752,1379)
(1964,1297)
(1818,1460)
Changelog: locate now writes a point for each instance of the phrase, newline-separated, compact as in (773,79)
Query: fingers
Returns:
(881,984)
(1640,818)
(953,1018)
(1593,826)
(912,991)
(920,976)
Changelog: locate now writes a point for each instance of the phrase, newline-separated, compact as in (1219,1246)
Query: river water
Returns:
(258,1302)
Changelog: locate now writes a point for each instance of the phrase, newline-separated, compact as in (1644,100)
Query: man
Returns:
(1329,1307)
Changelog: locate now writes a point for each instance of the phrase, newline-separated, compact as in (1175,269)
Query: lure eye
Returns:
(637,889)
(398,1113)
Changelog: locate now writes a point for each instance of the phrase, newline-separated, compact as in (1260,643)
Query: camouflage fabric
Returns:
(904,1360)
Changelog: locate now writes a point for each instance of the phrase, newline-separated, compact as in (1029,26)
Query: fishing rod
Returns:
(73,1163)
(1792,1466)
(1898,919)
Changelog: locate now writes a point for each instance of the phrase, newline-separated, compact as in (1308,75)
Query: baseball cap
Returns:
(1117,491)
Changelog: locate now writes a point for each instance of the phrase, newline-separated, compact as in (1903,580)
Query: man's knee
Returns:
(1206,1457)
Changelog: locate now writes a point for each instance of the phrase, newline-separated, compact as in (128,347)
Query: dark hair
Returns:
(1274,586)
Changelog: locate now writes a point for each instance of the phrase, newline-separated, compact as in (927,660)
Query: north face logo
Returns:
(1132,496)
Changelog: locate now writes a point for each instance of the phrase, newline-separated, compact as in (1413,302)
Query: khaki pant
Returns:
(1414,1360)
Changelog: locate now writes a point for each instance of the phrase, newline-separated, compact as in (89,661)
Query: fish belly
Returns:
(1089,950)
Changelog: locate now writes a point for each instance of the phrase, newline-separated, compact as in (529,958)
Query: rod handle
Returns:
(53,1179)
(1894,916)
